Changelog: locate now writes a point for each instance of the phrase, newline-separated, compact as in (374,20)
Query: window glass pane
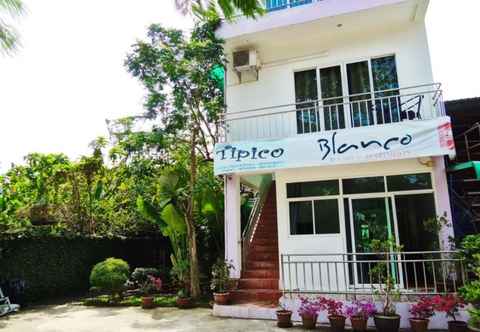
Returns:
(305,91)
(301,218)
(317,188)
(359,85)
(326,217)
(331,87)
(363,185)
(384,72)
(409,182)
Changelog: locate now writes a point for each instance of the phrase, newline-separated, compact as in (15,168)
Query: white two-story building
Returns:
(334,119)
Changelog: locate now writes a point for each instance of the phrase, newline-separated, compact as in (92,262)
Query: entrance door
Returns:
(371,219)
(332,98)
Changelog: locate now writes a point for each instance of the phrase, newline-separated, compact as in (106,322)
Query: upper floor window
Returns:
(371,93)
(272,5)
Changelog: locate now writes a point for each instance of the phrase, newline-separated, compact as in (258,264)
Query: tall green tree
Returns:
(229,8)
(185,99)
(8,35)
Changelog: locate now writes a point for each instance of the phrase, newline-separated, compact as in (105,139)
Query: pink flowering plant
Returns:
(423,309)
(362,308)
(332,306)
(309,307)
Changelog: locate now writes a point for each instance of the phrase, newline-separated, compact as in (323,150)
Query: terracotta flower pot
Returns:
(309,322)
(284,318)
(359,323)
(222,298)
(419,324)
(337,323)
(387,323)
(147,302)
(184,302)
(457,326)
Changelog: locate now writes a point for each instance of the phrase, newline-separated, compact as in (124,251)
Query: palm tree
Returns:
(249,8)
(8,35)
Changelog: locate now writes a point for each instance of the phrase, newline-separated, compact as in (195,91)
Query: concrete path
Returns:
(77,318)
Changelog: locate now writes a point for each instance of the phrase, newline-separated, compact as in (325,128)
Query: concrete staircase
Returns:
(260,276)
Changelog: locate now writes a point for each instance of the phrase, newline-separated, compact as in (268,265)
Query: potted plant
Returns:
(421,313)
(308,310)
(359,312)
(386,320)
(335,313)
(150,286)
(148,282)
(450,305)
(284,317)
(220,279)
(180,272)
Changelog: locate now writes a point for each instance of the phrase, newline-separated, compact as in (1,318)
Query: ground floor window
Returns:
(399,207)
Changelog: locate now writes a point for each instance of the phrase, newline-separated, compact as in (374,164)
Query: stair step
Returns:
(270,265)
(264,248)
(265,241)
(256,295)
(258,283)
(261,273)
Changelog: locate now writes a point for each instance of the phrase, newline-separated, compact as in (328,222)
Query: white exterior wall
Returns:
(331,243)
(276,80)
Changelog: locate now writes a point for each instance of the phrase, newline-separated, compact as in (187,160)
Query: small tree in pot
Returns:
(180,272)
(148,282)
(386,320)
(421,313)
(220,280)
(471,293)
(335,313)
(359,312)
(308,310)
(450,305)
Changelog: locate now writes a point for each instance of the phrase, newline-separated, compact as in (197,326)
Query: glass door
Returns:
(359,90)
(385,85)
(371,218)
(332,98)
(306,96)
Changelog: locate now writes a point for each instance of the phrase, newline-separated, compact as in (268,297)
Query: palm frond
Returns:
(13,7)
(8,34)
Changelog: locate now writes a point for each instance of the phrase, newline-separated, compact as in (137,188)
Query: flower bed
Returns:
(129,301)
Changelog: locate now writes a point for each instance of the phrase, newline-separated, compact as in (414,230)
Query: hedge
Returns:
(39,269)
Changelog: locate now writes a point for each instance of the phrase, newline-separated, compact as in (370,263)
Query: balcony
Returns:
(379,108)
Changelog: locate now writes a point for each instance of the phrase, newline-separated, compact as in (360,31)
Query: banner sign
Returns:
(403,140)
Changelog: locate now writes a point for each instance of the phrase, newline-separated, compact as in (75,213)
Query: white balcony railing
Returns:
(421,102)
(412,273)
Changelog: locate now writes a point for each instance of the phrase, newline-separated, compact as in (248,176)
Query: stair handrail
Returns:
(460,200)
(254,218)
(469,148)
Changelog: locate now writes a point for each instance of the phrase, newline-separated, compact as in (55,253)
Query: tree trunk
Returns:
(191,231)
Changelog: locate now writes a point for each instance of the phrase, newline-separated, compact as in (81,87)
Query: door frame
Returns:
(389,199)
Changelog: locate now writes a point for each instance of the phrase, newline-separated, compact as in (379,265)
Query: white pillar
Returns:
(443,202)
(233,236)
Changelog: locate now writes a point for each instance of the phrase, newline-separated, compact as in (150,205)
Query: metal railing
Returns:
(471,138)
(273,5)
(252,223)
(413,273)
(419,102)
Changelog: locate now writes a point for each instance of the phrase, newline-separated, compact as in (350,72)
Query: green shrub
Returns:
(130,301)
(110,276)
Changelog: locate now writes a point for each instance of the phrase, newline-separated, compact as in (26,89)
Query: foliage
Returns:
(229,8)
(147,279)
(129,301)
(185,101)
(383,272)
(423,309)
(8,35)
(471,292)
(110,276)
(470,249)
(59,267)
(309,307)
(220,276)
(449,304)
(362,308)
(331,306)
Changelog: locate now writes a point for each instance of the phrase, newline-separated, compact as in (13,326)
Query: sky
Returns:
(68,76)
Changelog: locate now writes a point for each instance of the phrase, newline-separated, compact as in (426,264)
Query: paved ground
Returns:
(77,318)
